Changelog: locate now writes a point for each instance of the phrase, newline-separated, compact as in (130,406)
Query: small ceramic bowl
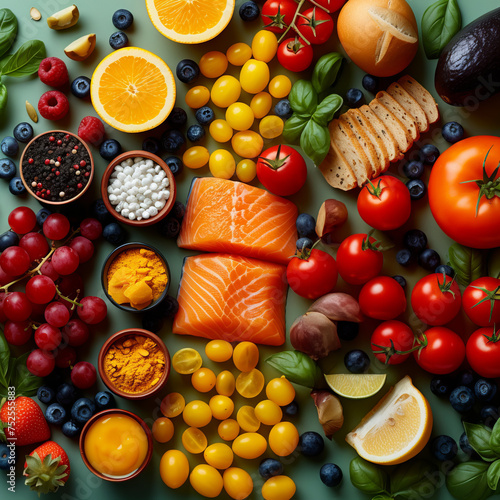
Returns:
(119,336)
(109,260)
(105,182)
(116,411)
(28,186)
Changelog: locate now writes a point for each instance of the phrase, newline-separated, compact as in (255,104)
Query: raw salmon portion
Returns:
(232,217)
(232,298)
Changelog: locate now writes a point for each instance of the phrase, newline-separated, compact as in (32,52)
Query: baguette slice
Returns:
(337,171)
(422,96)
(408,102)
(405,117)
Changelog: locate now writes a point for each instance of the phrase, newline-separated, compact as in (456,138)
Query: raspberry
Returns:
(53,105)
(52,71)
(91,129)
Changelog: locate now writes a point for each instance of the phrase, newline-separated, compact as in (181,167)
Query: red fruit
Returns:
(71,285)
(4,278)
(56,314)
(91,229)
(17,332)
(17,307)
(37,313)
(65,357)
(48,337)
(76,332)
(53,105)
(35,244)
(15,261)
(91,129)
(56,227)
(47,269)
(65,260)
(22,220)
(40,363)
(31,426)
(83,247)
(53,72)
(93,310)
(40,289)
(83,375)
(3,296)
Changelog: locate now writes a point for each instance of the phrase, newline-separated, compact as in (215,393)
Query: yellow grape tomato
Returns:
(206,480)
(247,144)
(197,97)
(222,407)
(254,76)
(250,384)
(281,391)
(283,438)
(194,440)
(261,104)
(186,361)
(222,164)
(225,383)
(246,356)
(280,86)
(268,412)
(239,116)
(264,45)
(228,429)
(220,130)
(174,468)
(163,429)
(219,350)
(195,157)
(197,414)
(247,419)
(172,404)
(278,488)
(213,64)
(271,126)
(249,445)
(246,170)
(225,91)
(239,53)
(237,483)
(203,380)
(219,455)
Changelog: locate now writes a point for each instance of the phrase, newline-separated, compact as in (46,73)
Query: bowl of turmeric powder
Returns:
(134,363)
(135,277)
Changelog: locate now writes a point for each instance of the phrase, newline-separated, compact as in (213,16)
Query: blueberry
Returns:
(249,11)
(67,394)
(441,386)
(7,456)
(283,109)
(443,268)
(9,146)
(177,118)
(172,141)
(169,307)
(306,226)
(178,210)
(311,444)
(82,410)
(110,149)
(122,19)
(452,132)
(462,399)
(174,164)
(8,239)
(429,154)
(104,400)
(429,259)
(114,233)
(270,467)
(7,169)
(55,414)
(187,70)
(489,415)
(170,227)
(356,361)
(100,212)
(152,321)
(80,87)
(467,378)
(46,394)
(16,186)
(404,257)
(444,448)
(370,83)
(331,474)
(304,243)
(205,115)
(485,390)
(151,145)
(413,169)
(466,447)
(118,40)
(417,189)
(71,429)
(354,98)
(415,240)
(400,279)
(347,330)
(23,132)
(291,409)
(41,215)
(195,133)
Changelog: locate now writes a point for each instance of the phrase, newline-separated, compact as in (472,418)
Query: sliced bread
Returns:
(405,117)
(337,171)
(422,96)
(409,103)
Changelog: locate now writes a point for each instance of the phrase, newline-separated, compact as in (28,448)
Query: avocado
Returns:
(468,70)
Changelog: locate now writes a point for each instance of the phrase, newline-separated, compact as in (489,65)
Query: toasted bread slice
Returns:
(337,171)
(422,96)
(409,103)
(406,118)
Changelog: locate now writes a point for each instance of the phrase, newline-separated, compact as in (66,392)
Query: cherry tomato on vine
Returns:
(390,337)
(295,55)
(481,301)
(382,298)
(277,15)
(331,5)
(315,25)
(483,352)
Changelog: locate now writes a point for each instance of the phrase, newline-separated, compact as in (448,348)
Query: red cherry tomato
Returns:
(315,25)
(481,301)
(295,55)
(389,337)
(382,298)
(483,352)
(277,15)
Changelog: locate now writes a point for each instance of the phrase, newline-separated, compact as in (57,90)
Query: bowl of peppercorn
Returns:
(57,167)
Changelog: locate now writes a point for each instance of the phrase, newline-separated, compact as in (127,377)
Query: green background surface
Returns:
(95,16)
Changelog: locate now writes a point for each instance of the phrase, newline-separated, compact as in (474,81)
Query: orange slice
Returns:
(396,429)
(133,90)
(192,21)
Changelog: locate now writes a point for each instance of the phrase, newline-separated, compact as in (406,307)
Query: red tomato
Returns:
(442,351)
(277,15)
(483,352)
(331,5)
(382,298)
(282,170)
(312,276)
(358,259)
(436,301)
(481,301)
(295,55)
(390,337)
(315,25)
(385,203)
(454,199)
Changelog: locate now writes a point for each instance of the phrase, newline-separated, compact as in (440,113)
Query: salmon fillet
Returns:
(232,217)
(232,298)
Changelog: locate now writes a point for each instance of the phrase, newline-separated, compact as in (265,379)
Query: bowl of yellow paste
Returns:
(135,277)
(116,445)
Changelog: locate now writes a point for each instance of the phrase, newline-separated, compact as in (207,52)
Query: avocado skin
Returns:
(468,70)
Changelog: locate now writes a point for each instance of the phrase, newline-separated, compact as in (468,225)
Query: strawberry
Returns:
(46,468)
(27,423)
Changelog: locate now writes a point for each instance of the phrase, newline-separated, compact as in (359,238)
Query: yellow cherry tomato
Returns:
(198,96)
(271,126)
(245,356)
(247,419)
(196,157)
(220,130)
(213,64)
(203,380)
(264,45)
(222,164)
(278,488)
(254,76)
(268,412)
(219,455)
(163,429)
(225,91)
(246,170)
(237,483)
(197,414)
(194,440)
(247,144)
(283,438)
(186,361)
(174,468)
(239,116)
(206,480)
(172,404)
(280,390)
(261,104)
(219,350)
(222,407)
(280,86)
(239,53)
(250,445)
(250,384)
(225,383)
(228,429)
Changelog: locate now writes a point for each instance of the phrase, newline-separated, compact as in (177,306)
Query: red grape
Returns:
(56,227)
(83,375)
(40,363)
(17,307)
(47,269)
(3,296)
(93,310)
(65,357)
(71,285)
(37,313)
(48,337)
(22,220)
(65,260)
(4,277)
(35,244)
(40,289)
(91,229)
(68,305)
(83,247)
(15,261)
(17,332)
(76,332)
(56,314)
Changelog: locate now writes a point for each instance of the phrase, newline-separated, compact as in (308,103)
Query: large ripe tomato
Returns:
(277,15)
(385,203)
(382,298)
(481,301)
(442,351)
(454,199)
(282,170)
(483,352)
(313,274)
(315,25)
(390,337)
(295,55)
(331,5)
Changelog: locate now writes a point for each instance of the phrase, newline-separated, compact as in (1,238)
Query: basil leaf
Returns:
(326,109)
(294,127)
(24,382)
(413,479)
(494,263)
(468,263)
(3,96)
(493,475)
(468,481)
(315,141)
(440,23)
(4,360)
(479,438)
(303,98)
(8,30)
(495,438)
(326,71)
(25,60)
(368,477)
(297,367)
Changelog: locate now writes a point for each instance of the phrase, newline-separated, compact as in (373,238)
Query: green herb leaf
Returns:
(303,98)
(368,477)
(294,127)
(468,481)
(479,438)
(382,496)
(297,367)
(4,360)
(326,71)
(25,60)
(493,475)
(414,479)
(495,438)
(3,96)
(25,383)
(8,30)
(326,109)
(315,141)
(440,23)
(494,263)
(468,263)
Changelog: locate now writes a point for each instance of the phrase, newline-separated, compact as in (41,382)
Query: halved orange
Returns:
(133,90)
(190,21)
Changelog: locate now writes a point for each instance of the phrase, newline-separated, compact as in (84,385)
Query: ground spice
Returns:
(134,364)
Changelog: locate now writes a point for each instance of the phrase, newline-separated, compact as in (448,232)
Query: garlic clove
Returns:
(330,412)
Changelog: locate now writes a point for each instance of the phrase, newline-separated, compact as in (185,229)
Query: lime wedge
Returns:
(355,386)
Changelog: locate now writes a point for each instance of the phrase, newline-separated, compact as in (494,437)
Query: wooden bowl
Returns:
(105,182)
(127,333)
(116,411)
